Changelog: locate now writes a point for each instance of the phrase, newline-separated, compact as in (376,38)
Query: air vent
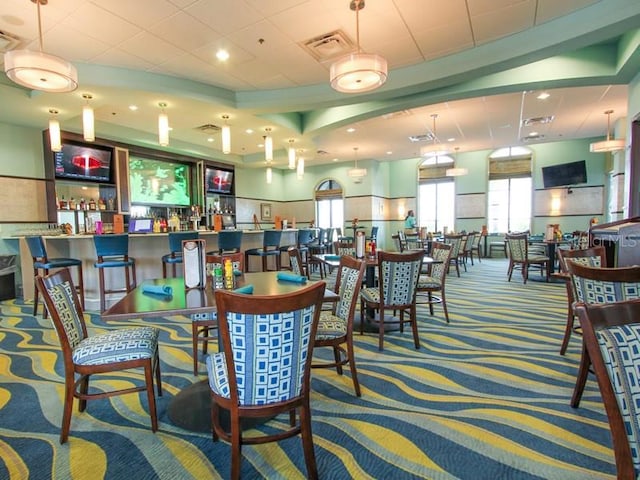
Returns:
(427,137)
(329,46)
(8,41)
(208,128)
(528,122)
(322,152)
(528,138)
(400,113)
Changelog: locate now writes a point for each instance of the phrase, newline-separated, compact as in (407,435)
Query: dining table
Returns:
(191,407)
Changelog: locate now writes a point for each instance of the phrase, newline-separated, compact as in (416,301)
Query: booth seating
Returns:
(113,252)
(41,261)
(174,256)
(270,248)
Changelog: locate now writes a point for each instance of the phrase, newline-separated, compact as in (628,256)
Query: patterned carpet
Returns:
(485,397)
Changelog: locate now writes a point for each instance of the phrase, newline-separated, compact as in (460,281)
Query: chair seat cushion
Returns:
(537,258)
(176,258)
(217,373)
(426,281)
(117,346)
(330,327)
(204,317)
(57,263)
(261,252)
(114,263)
(370,294)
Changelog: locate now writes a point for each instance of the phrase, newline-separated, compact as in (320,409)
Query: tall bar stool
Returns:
(229,241)
(174,256)
(41,261)
(270,248)
(113,252)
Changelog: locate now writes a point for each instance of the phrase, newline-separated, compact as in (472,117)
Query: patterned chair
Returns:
(344,247)
(335,328)
(434,282)
(466,252)
(398,275)
(174,256)
(611,335)
(84,356)
(202,324)
(248,378)
(593,285)
(591,257)
(456,247)
(296,262)
(519,256)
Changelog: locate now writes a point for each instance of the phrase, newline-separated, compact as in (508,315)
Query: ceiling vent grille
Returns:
(528,122)
(529,138)
(329,46)
(8,42)
(427,137)
(208,128)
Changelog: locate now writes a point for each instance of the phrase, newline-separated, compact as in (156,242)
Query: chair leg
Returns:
(352,367)
(236,448)
(67,409)
(164,270)
(444,306)
(151,398)
(380,330)
(80,286)
(581,380)
(158,373)
(307,441)
(35,293)
(414,325)
(567,331)
(194,342)
(102,294)
(337,359)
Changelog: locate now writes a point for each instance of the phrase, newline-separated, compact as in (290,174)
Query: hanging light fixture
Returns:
(54,131)
(300,168)
(269,175)
(357,173)
(39,70)
(226,136)
(163,126)
(456,171)
(436,148)
(358,72)
(88,120)
(268,146)
(608,145)
(292,155)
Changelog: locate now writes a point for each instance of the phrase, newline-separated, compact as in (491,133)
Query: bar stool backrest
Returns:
(176,238)
(229,240)
(111,245)
(271,239)
(36,247)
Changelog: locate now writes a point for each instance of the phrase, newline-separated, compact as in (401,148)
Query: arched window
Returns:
(329,205)
(436,194)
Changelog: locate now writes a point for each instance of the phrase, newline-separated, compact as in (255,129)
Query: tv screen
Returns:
(564,174)
(83,162)
(158,182)
(219,181)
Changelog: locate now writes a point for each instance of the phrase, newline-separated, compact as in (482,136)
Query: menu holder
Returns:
(194,264)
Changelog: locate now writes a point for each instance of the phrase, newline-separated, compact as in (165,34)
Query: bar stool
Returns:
(113,252)
(229,241)
(174,256)
(41,261)
(270,248)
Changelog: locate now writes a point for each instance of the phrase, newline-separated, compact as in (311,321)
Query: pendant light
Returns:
(269,175)
(163,126)
(300,169)
(268,146)
(39,70)
(226,136)
(608,145)
(357,173)
(292,155)
(436,149)
(88,120)
(358,72)
(54,131)
(456,171)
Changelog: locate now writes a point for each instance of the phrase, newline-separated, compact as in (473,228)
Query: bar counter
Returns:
(147,249)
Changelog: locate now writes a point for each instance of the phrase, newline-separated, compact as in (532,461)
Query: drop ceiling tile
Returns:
(224,16)
(144,13)
(185,32)
(96,22)
(150,47)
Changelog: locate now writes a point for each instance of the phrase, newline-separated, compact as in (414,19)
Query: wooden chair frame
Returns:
(526,261)
(431,298)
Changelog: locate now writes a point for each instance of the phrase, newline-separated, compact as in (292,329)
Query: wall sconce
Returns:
(54,131)
(163,126)
(88,120)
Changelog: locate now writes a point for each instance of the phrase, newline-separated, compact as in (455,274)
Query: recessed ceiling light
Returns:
(351,130)
(389,152)
(222,55)
(249,131)
(451,139)
(209,139)
(543,96)
(133,108)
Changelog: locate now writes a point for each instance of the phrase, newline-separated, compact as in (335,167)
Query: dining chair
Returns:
(229,241)
(398,275)
(435,280)
(85,356)
(41,261)
(296,262)
(335,328)
(174,256)
(467,249)
(592,257)
(373,235)
(204,324)
(611,335)
(456,247)
(344,247)
(263,368)
(476,247)
(519,256)
(595,285)
(270,248)
(113,252)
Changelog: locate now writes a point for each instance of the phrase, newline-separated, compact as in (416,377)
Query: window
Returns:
(329,205)
(436,195)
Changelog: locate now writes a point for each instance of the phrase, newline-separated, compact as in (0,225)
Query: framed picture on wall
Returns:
(265,211)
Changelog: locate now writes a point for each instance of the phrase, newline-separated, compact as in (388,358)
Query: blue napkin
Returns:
(165,290)
(291,277)
(246,289)
(332,258)
(237,272)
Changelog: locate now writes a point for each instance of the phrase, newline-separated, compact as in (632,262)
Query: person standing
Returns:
(410,223)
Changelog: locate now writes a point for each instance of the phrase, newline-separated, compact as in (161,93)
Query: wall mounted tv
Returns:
(159,183)
(564,174)
(219,181)
(83,162)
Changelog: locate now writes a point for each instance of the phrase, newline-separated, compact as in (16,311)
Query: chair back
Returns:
(344,247)
(271,239)
(348,285)
(229,241)
(214,261)
(37,248)
(591,257)
(305,237)
(295,260)
(61,298)
(374,234)
(604,285)
(112,245)
(328,237)
(262,367)
(398,275)
(517,246)
(441,254)
(468,242)
(176,239)
(456,243)
(610,333)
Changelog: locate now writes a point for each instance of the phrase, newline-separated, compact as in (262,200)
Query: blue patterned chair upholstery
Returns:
(457,245)
(398,275)
(203,324)
(611,334)
(335,328)
(593,285)
(117,350)
(520,257)
(264,367)
(435,281)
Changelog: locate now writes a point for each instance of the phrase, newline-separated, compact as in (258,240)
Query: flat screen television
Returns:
(219,181)
(159,182)
(84,162)
(564,174)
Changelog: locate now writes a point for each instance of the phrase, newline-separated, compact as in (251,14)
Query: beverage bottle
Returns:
(228,275)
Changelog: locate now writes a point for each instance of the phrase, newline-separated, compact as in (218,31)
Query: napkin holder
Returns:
(194,264)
